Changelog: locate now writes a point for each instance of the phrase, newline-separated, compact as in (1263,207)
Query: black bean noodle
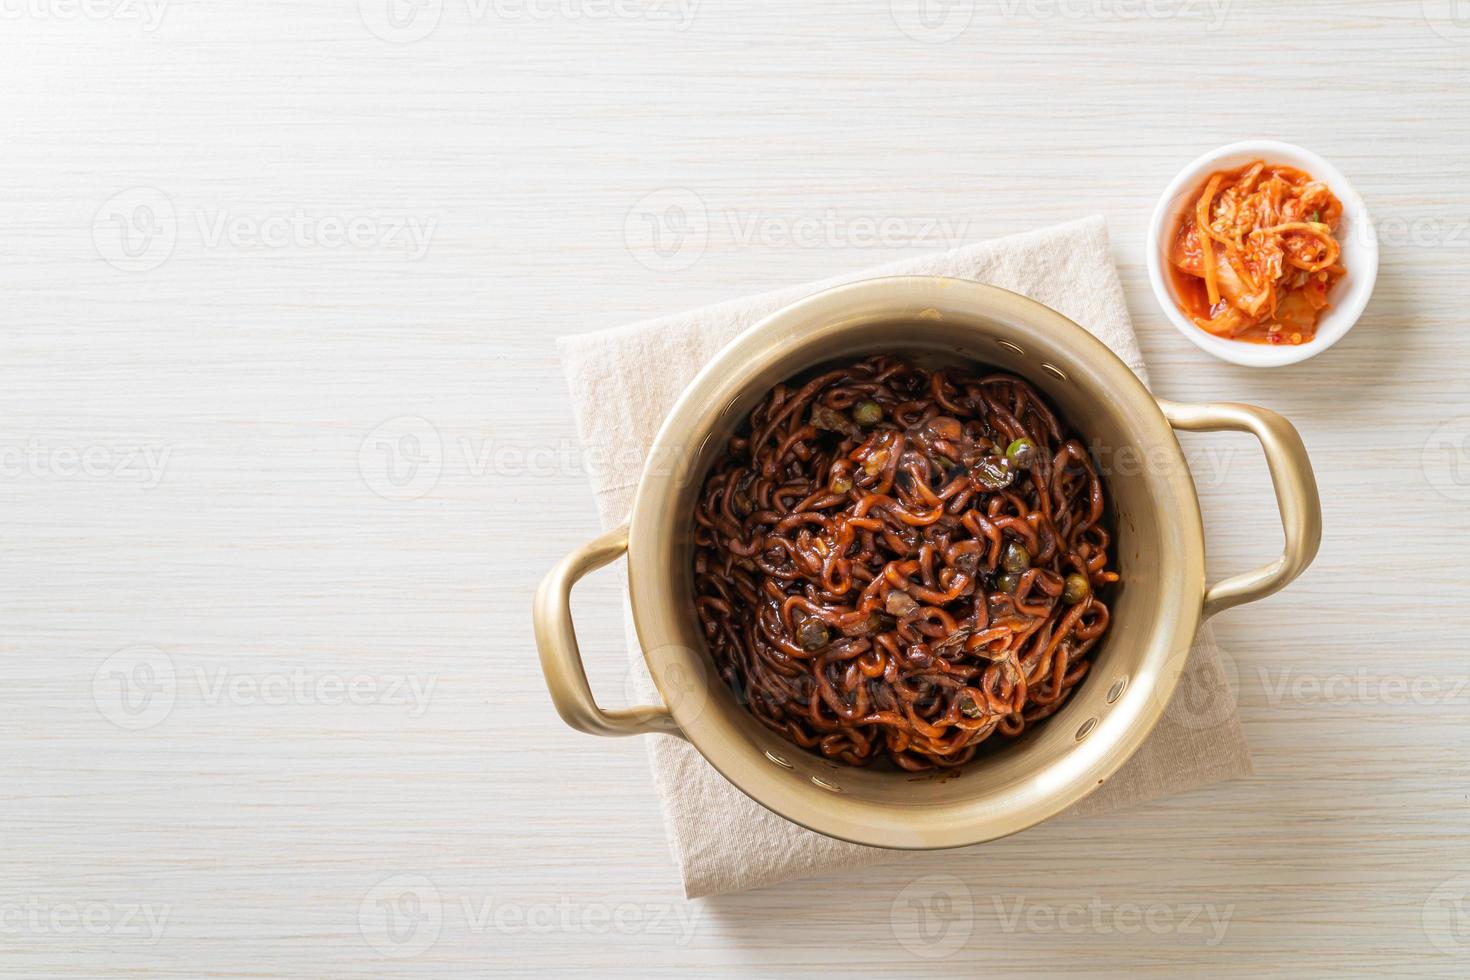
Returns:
(897,562)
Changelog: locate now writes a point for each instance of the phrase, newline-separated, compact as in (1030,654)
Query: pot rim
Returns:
(726,377)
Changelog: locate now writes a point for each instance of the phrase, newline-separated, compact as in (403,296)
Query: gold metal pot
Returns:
(1159,550)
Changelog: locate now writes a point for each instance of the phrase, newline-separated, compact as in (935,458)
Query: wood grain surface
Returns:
(285,447)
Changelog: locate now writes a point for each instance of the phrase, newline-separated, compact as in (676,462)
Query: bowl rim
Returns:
(1338,320)
(1073,775)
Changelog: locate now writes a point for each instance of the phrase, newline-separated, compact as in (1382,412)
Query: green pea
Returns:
(1015,558)
(1075,589)
(1008,583)
(867,413)
(1021,453)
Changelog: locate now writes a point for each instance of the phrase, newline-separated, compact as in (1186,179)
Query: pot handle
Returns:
(1296,496)
(561,661)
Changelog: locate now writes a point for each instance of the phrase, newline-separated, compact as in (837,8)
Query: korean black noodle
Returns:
(901,563)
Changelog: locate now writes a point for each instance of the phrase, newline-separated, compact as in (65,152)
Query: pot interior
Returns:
(1157,550)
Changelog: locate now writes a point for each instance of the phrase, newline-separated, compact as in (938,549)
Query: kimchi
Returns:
(1255,256)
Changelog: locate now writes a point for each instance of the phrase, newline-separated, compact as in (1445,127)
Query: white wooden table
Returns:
(285,448)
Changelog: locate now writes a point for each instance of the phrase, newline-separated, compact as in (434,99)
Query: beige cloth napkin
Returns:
(624,381)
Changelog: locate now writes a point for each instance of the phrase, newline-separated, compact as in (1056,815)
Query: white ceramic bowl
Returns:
(1356,235)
